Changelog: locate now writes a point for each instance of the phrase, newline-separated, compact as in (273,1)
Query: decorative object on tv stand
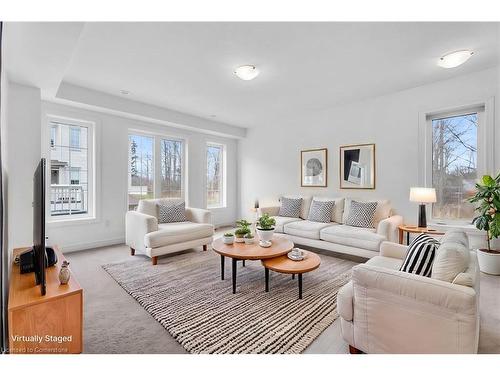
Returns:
(64,273)
(422,195)
(228,238)
(314,167)
(265,229)
(488,199)
(357,166)
(242,229)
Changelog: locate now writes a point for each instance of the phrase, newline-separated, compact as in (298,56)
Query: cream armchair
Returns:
(384,310)
(145,235)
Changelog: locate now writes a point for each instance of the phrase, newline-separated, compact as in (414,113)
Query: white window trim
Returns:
(52,112)
(485,141)
(223,205)
(157,136)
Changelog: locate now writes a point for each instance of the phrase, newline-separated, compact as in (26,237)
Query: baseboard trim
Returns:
(91,245)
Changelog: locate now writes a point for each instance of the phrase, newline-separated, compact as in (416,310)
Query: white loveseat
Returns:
(384,310)
(145,235)
(335,236)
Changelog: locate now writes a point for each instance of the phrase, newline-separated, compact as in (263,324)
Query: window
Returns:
(171,155)
(71,169)
(215,176)
(454,164)
(141,169)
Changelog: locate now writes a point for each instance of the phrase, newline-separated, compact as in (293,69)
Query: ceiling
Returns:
(188,67)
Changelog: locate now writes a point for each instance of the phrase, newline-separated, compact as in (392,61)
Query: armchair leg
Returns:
(204,247)
(132,251)
(353,350)
(154,260)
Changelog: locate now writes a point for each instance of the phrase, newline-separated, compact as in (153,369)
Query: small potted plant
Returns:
(249,239)
(265,227)
(242,229)
(228,238)
(488,197)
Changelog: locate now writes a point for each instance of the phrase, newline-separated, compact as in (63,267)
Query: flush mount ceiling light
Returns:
(246,72)
(124,92)
(454,59)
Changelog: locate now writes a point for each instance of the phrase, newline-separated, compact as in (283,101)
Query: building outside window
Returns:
(71,169)
(454,165)
(215,176)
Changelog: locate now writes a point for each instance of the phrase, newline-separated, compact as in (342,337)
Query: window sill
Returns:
(69,222)
(216,208)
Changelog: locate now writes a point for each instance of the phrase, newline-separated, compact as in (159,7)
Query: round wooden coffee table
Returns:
(242,251)
(283,264)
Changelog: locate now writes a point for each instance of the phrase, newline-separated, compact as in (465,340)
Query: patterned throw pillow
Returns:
(321,211)
(361,214)
(290,207)
(420,255)
(172,212)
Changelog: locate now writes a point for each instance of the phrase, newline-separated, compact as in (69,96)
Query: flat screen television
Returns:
(39,224)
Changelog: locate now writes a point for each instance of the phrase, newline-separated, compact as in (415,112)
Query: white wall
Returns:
(112,144)
(270,154)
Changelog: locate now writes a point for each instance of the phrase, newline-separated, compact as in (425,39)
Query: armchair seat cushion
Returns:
(363,238)
(385,262)
(306,228)
(171,233)
(282,220)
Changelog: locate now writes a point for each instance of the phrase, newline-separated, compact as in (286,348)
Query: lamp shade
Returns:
(422,195)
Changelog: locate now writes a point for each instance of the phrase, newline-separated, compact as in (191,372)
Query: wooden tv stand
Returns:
(47,324)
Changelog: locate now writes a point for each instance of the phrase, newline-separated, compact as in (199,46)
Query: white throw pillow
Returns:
(452,257)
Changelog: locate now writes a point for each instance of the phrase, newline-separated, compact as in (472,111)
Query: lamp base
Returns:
(422,220)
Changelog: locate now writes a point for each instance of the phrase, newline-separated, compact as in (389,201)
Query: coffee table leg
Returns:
(222,261)
(300,286)
(234,274)
(267,279)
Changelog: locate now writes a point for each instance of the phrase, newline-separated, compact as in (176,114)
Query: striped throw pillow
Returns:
(420,256)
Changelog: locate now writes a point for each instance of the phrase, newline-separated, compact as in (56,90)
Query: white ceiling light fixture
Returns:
(454,59)
(124,92)
(246,72)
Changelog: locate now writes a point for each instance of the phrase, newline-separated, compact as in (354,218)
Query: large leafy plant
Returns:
(488,198)
(243,228)
(266,222)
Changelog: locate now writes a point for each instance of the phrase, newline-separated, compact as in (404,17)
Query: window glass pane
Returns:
(171,168)
(141,169)
(454,165)
(68,169)
(214,176)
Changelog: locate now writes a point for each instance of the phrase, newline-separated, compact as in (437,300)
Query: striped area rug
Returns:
(185,294)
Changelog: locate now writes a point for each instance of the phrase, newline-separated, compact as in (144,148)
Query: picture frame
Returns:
(314,167)
(357,166)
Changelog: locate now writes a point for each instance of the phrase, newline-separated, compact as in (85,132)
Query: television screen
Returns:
(39,224)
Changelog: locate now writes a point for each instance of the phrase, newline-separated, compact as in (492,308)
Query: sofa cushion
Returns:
(306,204)
(420,255)
(171,233)
(338,209)
(363,238)
(150,206)
(290,207)
(452,257)
(361,214)
(281,221)
(382,212)
(321,211)
(173,212)
(306,228)
(385,262)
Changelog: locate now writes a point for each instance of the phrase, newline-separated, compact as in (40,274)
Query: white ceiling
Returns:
(304,67)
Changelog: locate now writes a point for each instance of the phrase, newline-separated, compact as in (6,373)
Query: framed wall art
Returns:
(314,167)
(357,166)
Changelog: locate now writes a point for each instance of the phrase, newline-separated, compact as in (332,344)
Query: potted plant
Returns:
(242,229)
(488,198)
(265,227)
(228,238)
(249,239)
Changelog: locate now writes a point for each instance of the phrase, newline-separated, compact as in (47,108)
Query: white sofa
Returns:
(335,236)
(384,310)
(145,235)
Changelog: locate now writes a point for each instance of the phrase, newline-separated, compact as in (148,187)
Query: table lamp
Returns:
(422,195)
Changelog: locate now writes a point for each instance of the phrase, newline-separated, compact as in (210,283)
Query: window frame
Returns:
(93,170)
(485,147)
(223,203)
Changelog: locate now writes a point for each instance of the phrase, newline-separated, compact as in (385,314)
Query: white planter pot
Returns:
(488,263)
(265,235)
(228,240)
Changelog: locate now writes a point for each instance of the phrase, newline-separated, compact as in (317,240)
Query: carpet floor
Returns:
(187,297)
